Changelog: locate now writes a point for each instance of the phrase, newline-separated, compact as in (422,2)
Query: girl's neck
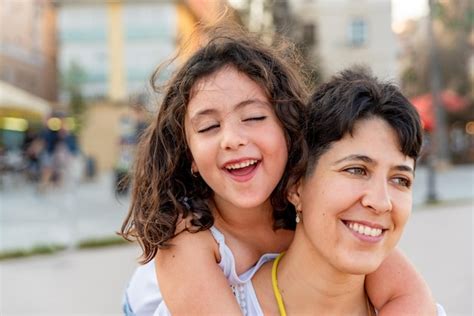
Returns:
(227,215)
(249,232)
(309,283)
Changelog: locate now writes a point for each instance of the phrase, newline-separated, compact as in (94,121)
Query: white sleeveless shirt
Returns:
(143,296)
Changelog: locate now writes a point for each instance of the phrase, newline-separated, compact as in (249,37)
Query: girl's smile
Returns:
(242,170)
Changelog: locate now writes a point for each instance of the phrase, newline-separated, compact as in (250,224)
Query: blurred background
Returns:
(74,99)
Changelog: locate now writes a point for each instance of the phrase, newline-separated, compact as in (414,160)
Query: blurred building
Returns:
(110,48)
(348,32)
(333,34)
(28,84)
(28,46)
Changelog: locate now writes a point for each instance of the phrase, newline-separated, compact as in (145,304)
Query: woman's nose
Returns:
(377,196)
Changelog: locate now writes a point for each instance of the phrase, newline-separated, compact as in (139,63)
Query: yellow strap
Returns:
(276,291)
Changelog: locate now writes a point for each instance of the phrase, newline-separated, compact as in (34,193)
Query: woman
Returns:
(352,204)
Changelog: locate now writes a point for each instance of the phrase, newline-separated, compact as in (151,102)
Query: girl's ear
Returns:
(194,168)
(294,195)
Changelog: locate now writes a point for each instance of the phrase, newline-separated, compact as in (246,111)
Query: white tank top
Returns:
(143,296)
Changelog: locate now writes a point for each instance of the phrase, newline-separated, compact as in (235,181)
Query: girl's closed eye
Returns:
(255,118)
(207,127)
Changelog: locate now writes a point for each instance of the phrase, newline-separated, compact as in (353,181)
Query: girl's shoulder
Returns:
(191,244)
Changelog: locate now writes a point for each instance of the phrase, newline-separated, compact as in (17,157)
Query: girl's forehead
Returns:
(226,71)
(225,85)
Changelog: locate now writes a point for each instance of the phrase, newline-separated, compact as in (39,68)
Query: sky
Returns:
(408,9)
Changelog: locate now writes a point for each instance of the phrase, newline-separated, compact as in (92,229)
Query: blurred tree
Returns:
(72,82)
(452,30)
(304,35)
(270,17)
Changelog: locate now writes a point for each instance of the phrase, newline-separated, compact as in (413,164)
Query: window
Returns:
(358,32)
(309,34)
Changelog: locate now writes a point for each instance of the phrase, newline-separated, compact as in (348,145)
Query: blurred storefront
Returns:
(20,111)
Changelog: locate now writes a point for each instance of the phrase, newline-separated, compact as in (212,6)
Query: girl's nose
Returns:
(233,136)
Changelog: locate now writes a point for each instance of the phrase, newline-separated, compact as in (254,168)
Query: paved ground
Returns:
(87,210)
(88,282)
(438,240)
(63,215)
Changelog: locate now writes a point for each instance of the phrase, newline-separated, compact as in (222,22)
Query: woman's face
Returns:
(235,138)
(358,199)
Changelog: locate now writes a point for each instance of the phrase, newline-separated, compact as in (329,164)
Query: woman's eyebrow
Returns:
(363,158)
(404,168)
(367,159)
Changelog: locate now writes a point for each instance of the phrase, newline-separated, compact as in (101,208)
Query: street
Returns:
(92,210)
(438,240)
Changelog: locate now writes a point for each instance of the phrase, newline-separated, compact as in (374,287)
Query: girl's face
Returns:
(235,138)
(358,199)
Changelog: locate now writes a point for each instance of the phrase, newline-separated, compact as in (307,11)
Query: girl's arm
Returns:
(190,278)
(396,288)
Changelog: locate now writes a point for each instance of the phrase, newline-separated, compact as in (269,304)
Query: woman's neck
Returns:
(308,282)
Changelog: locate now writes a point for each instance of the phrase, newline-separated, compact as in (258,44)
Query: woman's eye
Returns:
(402,181)
(356,171)
(208,128)
(255,118)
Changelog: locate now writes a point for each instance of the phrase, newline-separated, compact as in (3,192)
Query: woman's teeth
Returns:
(365,230)
(241,164)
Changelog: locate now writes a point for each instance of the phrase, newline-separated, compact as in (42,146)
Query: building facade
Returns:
(348,32)
(110,48)
(28,46)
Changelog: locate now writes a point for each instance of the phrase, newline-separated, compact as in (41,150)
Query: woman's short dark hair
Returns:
(353,95)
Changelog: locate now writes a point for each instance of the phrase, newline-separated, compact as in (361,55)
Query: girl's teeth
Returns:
(365,230)
(241,165)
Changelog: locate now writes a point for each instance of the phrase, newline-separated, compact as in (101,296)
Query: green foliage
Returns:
(452,26)
(72,81)
(101,242)
(37,250)
(54,248)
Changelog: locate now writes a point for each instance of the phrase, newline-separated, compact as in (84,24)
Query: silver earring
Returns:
(298,218)
(194,174)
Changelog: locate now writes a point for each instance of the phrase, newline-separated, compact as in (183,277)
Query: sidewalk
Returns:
(91,210)
(438,240)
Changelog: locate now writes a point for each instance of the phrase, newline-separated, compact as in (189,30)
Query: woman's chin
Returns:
(360,266)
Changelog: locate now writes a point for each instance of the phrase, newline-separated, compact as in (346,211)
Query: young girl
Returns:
(352,204)
(211,181)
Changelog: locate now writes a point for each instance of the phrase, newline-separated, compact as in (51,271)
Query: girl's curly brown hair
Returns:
(164,189)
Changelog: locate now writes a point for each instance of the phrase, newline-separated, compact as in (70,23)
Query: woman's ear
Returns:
(294,195)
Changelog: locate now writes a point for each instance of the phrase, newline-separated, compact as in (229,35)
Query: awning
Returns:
(451,101)
(13,99)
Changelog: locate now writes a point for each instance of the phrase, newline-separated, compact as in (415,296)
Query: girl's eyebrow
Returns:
(238,106)
(369,160)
